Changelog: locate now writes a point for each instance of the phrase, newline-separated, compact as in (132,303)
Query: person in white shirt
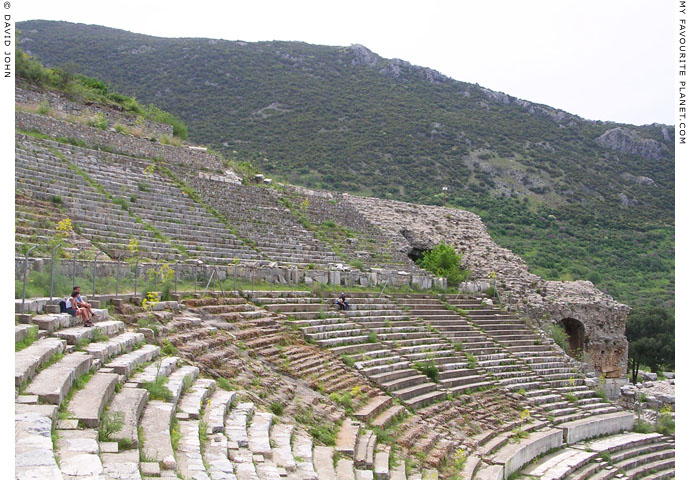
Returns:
(82,304)
(75,310)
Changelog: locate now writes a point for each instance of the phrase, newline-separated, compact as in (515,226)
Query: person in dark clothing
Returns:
(342,302)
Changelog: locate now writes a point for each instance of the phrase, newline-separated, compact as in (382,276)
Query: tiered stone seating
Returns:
(267,223)
(43,175)
(547,378)
(35,223)
(160,203)
(367,244)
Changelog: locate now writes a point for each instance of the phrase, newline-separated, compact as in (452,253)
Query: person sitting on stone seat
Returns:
(74,310)
(342,303)
(82,304)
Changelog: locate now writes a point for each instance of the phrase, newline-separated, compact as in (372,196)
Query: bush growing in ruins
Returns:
(445,262)
(557,332)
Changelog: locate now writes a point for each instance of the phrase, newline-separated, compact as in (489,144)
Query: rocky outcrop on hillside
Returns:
(627,141)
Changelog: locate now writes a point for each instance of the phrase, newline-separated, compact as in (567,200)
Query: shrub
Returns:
(110,423)
(43,108)
(276,408)
(557,332)
(640,426)
(158,390)
(443,261)
(471,360)
(98,121)
(665,423)
(429,369)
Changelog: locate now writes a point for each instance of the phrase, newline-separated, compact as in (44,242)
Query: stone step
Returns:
(122,343)
(381,458)
(54,382)
(193,400)
(216,457)
(218,406)
(405,382)
(162,367)
(345,469)
(189,460)
(27,361)
(387,416)
(415,390)
(373,407)
(364,451)
(88,403)
(155,427)
(282,452)
(129,402)
(323,463)
(596,426)
(302,453)
(177,379)
(346,438)
(78,452)
(121,466)
(34,457)
(514,455)
(127,363)
(236,425)
(424,399)
(74,334)
(22,331)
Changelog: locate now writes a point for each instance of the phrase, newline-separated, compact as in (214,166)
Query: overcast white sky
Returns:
(600,59)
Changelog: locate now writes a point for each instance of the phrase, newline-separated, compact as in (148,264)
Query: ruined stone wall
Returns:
(62,107)
(253,271)
(421,227)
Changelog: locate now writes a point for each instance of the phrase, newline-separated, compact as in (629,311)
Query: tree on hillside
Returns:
(651,337)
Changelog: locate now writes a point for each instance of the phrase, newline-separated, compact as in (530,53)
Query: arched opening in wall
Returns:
(576,336)
(415,253)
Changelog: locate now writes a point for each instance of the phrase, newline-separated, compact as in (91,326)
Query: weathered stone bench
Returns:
(596,426)
(88,403)
(33,449)
(125,364)
(129,403)
(53,383)
(27,361)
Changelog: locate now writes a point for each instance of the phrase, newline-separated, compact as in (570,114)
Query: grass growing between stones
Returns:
(79,383)
(28,340)
(225,384)
(175,434)
(320,429)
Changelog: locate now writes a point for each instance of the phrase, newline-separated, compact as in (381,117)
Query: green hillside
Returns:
(575,198)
